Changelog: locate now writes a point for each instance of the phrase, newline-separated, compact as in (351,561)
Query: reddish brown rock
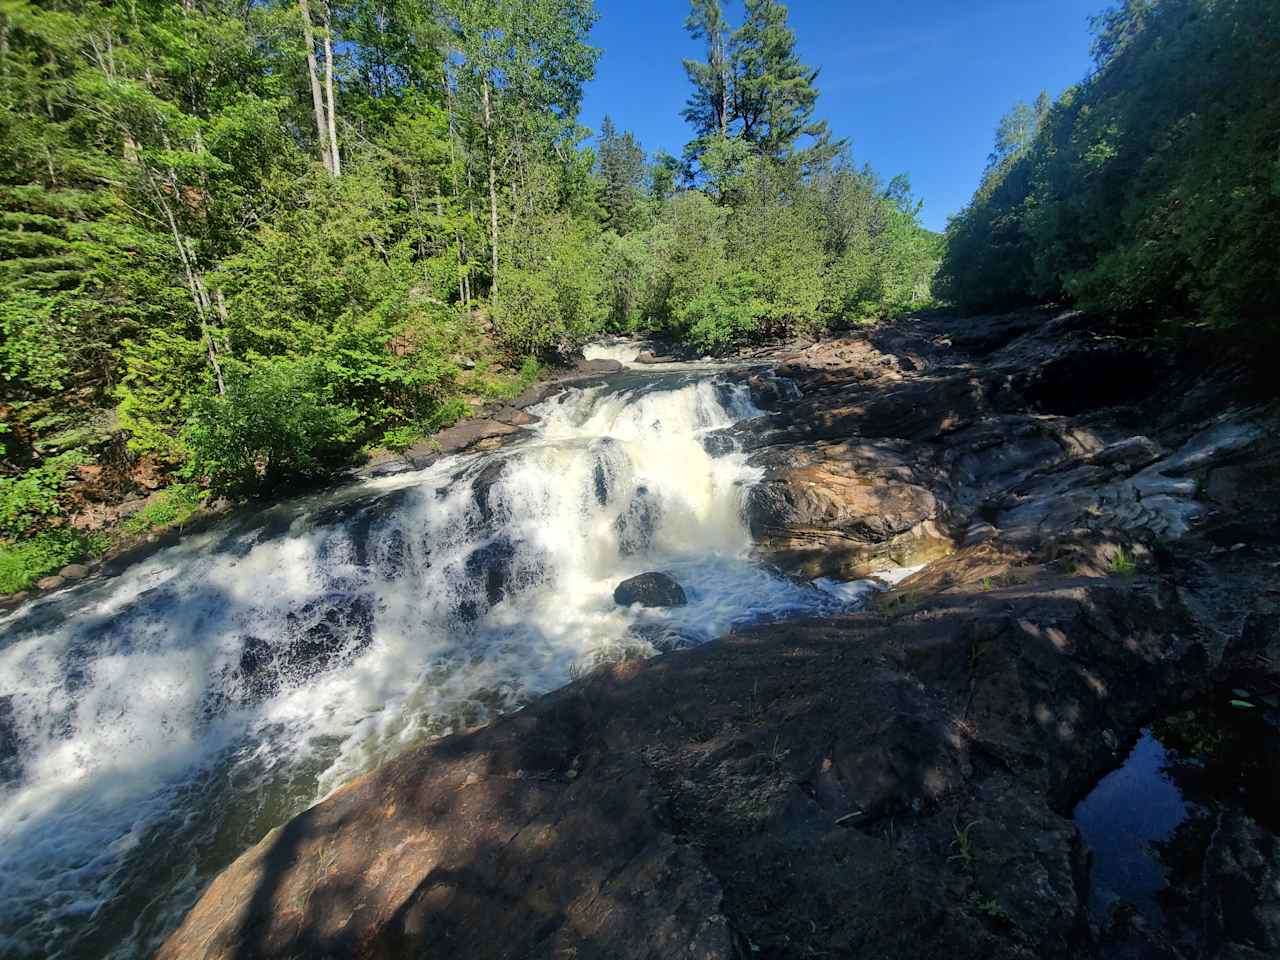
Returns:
(843,510)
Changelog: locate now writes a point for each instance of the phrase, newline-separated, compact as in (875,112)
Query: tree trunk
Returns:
(317,100)
(493,195)
(328,90)
(464,292)
(195,282)
(223,318)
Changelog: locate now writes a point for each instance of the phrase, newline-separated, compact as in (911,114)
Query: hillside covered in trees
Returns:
(1151,189)
(241,242)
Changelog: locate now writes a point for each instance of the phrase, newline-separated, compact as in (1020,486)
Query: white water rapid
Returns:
(155,724)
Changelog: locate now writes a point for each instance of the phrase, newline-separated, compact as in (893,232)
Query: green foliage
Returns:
(174,506)
(751,89)
(262,281)
(401,438)
(164,373)
(278,422)
(331,278)
(774,94)
(553,301)
(26,561)
(622,167)
(32,496)
(1122,563)
(530,370)
(782,254)
(777,248)
(1152,185)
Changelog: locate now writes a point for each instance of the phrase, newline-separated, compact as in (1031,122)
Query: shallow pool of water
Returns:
(1149,823)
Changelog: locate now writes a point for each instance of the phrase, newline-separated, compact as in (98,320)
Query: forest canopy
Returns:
(239,243)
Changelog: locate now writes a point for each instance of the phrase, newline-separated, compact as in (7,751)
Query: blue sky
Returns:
(916,85)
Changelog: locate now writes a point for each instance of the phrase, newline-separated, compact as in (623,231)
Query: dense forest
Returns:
(241,242)
(1151,189)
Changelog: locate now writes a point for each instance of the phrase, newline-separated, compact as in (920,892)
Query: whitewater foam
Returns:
(165,719)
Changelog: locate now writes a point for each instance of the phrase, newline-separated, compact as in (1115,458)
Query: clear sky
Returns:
(916,85)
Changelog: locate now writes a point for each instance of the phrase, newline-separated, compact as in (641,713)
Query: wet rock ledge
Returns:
(1102,524)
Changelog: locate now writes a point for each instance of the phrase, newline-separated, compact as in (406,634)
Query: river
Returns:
(161,721)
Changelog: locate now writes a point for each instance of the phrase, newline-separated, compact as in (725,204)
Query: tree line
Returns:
(1149,190)
(241,240)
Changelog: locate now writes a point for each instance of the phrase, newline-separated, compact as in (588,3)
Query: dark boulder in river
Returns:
(597,367)
(650,590)
(10,763)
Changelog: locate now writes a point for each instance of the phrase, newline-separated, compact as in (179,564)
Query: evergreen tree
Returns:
(709,107)
(622,167)
(751,87)
(774,94)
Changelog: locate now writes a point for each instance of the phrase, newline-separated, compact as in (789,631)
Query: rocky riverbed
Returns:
(1098,520)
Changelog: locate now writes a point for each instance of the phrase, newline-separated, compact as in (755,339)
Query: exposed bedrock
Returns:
(1101,522)
(844,510)
(863,786)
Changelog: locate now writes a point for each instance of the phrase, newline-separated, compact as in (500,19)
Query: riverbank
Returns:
(1098,518)
(125,511)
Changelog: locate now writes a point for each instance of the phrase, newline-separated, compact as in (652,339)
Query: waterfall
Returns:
(622,349)
(154,725)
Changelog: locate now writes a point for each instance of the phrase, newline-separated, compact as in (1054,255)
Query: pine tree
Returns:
(774,94)
(622,166)
(709,107)
(752,87)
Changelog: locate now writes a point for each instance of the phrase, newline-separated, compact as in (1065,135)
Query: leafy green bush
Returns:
(163,374)
(174,506)
(717,317)
(277,422)
(777,249)
(329,279)
(26,561)
(553,300)
(401,438)
(32,496)
(785,253)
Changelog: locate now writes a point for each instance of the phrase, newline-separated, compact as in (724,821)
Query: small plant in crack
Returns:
(1122,563)
(963,842)
(992,909)
(777,753)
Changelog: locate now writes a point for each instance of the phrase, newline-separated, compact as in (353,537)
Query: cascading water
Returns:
(154,725)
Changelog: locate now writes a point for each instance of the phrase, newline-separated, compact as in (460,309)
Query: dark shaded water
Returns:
(1149,823)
